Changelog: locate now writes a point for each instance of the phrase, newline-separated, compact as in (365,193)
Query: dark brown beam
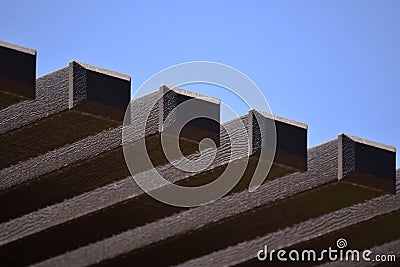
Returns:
(150,212)
(298,233)
(323,160)
(49,134)
(17,72)
(77,179)
(80,86)
(98,91)
(381,229)
(367,163)
(246,226)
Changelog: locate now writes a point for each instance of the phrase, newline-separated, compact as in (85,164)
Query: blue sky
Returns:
(334,65)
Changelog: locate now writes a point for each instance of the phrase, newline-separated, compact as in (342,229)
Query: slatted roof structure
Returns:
(67,197)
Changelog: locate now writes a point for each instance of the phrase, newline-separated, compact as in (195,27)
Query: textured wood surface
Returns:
(322,169)
(98,91)
(69,154)
(49,134)
(68,198)
(77,179)
(361,236)
(259,221)
(51,98)
(60,158)
(378,231)
(89,202)
(301,232)
(55,91)
(132,205)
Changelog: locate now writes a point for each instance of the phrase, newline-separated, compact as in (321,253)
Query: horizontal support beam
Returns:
(361,236)
(50,134)
(308,230)
(83,149)
(113,197)
(77,179)
(322,169)
(51,98)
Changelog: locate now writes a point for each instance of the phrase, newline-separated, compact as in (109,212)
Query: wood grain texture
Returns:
(59,158)
(78,206)
(76,179)
(361,236)
(301,232)
(248,225)
(288,137)
(98,91)
(56,90)
(94,200)
(51,98)
(106,196)
(165,223)
(322,169)
(49,134)
(176,176)
(97,226)
(74,203)
(177,106)
(80,150)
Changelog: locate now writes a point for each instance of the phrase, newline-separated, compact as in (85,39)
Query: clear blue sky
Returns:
(334,65)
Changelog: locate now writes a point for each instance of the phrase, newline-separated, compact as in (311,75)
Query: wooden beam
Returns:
(17,70)
(322,169)
(132,203)
(367,163)
(310,229)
